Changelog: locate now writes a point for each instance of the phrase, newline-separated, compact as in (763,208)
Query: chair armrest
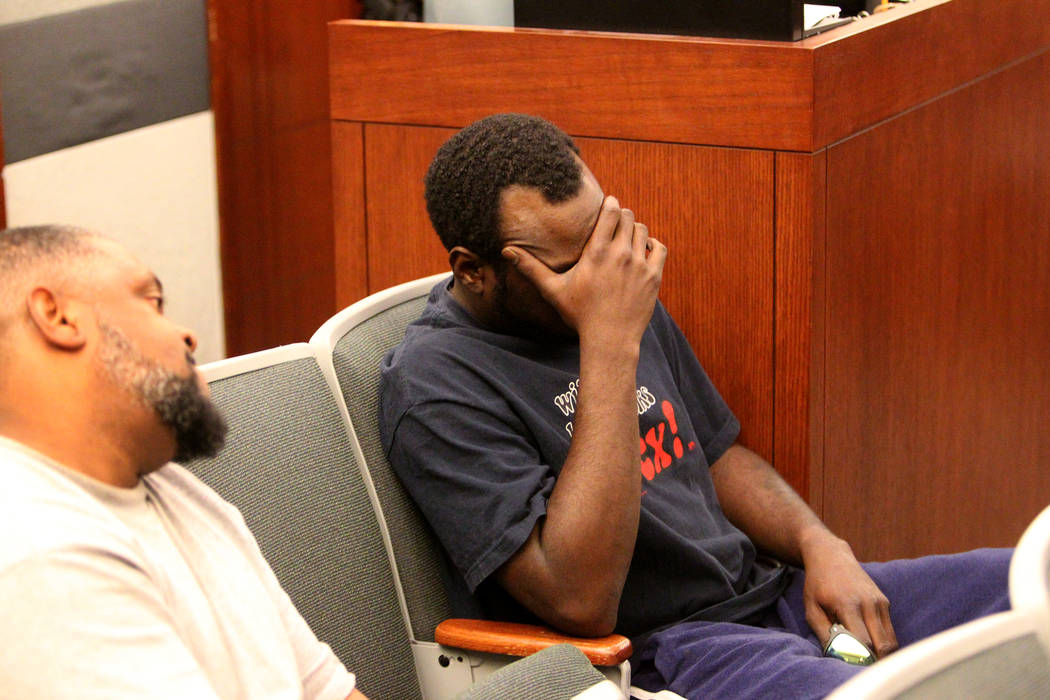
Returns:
(514,639)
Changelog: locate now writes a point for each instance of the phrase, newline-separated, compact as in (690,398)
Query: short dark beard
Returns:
(198,427)
(200,430)
(505,320)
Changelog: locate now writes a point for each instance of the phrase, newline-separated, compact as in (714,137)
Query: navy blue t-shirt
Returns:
(477,425)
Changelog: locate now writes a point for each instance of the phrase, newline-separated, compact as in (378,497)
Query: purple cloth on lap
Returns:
(780,657)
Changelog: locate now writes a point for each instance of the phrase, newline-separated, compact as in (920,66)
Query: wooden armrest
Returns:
(516,639)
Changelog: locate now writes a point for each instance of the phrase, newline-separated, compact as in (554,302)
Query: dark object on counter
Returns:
(746,19)
(394,10)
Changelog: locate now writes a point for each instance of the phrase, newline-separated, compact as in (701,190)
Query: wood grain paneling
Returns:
(348,195)
(921,51)
(607,85)
(794,96)
(870,295)
(402,245)
(938,322)
(270,101)
(799,354)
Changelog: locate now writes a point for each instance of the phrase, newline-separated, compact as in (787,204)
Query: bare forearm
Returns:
(584,545)
(837,589)
(593,512)
(758,501)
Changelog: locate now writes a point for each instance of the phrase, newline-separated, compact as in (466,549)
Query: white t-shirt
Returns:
(158,591)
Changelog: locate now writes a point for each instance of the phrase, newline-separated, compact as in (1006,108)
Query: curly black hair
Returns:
(471,170)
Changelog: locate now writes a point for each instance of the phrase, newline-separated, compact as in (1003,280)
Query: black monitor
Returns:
(780,20)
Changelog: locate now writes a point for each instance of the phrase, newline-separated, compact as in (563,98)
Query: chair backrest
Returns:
(559,672)
(290,467)
(998,656)
(1030,575)
(355,340)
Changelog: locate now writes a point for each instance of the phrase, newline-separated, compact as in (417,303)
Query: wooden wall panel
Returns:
(270,100)
(792,96)
(919,51)
(722,206)
(402,245)
(938,322)
(798,451)
(662,88)
(351,233)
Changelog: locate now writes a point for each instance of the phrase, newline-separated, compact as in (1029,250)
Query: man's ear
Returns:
(469,269)
(60,321)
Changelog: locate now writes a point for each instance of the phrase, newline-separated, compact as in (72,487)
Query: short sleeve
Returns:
(477,478)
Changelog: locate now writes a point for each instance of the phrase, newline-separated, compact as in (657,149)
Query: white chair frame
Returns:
(1030,576)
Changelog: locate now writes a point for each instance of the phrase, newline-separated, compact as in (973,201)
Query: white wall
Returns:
(152,189)
(22,10)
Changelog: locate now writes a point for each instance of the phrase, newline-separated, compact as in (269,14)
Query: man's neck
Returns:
(467,301)
(97,456)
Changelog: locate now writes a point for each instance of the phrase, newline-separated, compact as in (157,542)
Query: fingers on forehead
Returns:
(608,215)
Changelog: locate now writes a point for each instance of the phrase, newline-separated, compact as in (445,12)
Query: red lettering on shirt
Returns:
(656,441)
(669,413)
(659,459)
(648,468)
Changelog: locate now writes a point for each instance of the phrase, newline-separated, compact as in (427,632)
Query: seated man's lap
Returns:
(729,660)
(782,657)
(927,595)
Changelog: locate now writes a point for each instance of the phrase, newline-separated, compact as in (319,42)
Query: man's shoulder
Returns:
(176,481)
(662,323)
(440,350)
(42,511)
(441,322)
(435,366)
(665,336)
(194,502)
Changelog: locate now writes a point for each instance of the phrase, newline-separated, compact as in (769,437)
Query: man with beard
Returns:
(121,575)
(580,468)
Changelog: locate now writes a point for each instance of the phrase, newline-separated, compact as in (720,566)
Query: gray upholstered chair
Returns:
(290,466)
(559,672)
(355,340)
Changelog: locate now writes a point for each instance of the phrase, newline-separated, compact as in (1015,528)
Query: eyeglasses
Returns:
(845,647)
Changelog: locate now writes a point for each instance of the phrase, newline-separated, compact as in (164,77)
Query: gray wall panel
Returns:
(80,76)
